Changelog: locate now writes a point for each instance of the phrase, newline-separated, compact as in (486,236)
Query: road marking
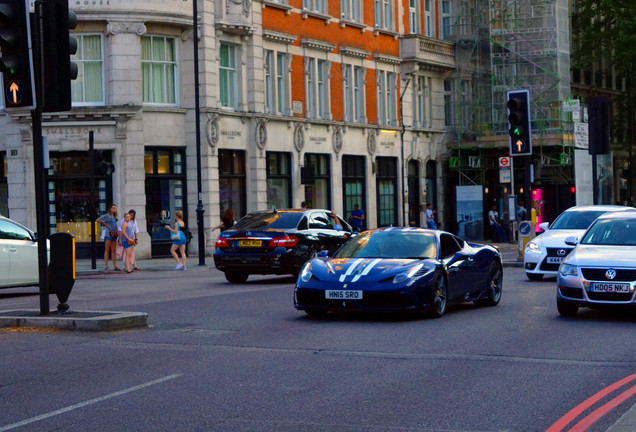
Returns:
(88,402)
(577,410)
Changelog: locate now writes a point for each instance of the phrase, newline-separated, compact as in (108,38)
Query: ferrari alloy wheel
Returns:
(567,309)
(494,287)
(439,293)
(236,277)
(534,276)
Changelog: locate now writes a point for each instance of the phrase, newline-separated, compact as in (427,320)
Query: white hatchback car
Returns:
(18,255)
(546,252)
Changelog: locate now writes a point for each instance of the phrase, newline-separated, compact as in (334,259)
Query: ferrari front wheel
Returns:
(439,293)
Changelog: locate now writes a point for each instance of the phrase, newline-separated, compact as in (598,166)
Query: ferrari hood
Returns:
(364,269)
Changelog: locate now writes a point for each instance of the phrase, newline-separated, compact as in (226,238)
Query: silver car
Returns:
(544,253)
(601,270)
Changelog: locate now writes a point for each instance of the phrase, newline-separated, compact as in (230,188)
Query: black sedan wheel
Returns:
(236,277)
(566,308)
(494,287)
(439,293)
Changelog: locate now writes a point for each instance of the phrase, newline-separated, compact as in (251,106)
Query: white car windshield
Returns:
(612,232)
(576,220)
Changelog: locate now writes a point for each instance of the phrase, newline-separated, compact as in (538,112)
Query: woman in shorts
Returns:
(178,240)
(111,235)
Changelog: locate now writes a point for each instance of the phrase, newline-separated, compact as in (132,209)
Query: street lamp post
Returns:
(402,131)
(197,111)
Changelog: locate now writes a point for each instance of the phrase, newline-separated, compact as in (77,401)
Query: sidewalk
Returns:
(83,267)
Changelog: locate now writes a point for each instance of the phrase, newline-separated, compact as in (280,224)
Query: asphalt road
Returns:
(221,357)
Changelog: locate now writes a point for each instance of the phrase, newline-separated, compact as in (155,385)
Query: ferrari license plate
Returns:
(343,295)
(250,243)
(609,287)
(555,260)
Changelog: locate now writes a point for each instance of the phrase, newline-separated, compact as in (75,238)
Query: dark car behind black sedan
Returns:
(277,242)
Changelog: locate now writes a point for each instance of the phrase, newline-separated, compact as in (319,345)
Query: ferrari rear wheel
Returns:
(236,277)
(494,287)
(439,293)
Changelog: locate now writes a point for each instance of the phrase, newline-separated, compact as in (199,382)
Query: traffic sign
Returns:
(525,228)
(504,162)
(14,92)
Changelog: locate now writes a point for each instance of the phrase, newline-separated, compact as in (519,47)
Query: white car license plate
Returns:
(343,295)
(609,287)
(555,260)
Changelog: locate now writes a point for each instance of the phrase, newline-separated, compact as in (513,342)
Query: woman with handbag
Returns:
(111,235)
(127,241)
(178,240)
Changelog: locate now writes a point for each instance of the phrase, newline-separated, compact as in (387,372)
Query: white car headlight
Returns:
(533,246)
(568,270)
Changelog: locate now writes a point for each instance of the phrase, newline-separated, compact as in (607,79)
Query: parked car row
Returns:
(592,252)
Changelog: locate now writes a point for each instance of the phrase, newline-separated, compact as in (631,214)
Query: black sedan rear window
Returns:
(265,220)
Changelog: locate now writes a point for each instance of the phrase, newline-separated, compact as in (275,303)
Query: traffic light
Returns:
(103,167)
(16,63)
(598,113)
(57,47)
(519,120)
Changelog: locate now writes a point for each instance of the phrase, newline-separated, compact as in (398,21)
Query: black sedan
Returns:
(401,269)
(277,242)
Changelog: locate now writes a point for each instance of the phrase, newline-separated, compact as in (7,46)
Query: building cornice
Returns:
(317,45)
(272,36)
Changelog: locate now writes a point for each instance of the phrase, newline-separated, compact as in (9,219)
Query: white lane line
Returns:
(88,402)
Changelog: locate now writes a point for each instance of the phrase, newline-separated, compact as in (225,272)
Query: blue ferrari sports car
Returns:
(400,269)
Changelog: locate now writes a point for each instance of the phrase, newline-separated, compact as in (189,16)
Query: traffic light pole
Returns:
(197,121)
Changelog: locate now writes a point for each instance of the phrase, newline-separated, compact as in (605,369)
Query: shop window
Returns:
(278,180)
(318,193)
(232,182)
(165,194)
(386,186)
(354,183)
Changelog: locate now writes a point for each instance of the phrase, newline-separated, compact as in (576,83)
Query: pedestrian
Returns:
(303,205)
(357,218)
(135,228)
(495,224)
(227,221)
(178,240)
(336,223)
(111,235)
(430,216)
(127,239)
(522,213)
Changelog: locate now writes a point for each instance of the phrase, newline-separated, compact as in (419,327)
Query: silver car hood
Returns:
(603,256)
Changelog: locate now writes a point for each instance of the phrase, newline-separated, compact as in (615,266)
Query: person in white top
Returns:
(430,216)
(495,223)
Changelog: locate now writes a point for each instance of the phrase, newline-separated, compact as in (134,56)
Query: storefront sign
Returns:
(317,139)
(230,134)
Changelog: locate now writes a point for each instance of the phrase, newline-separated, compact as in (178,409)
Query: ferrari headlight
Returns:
(403,277)
(532,246)
(306,274)
(568,270)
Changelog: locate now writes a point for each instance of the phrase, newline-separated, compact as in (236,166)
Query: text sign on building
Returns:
(571,105)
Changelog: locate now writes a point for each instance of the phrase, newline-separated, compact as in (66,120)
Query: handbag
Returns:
(119,250)
(130,242)
(114,233)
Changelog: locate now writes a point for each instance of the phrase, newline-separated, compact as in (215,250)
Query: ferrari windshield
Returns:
(612,232)
(390,244)
(576,220)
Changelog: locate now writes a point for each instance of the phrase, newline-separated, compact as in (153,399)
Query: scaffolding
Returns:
(509,45)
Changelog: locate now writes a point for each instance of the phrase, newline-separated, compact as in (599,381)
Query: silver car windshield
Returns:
(612,232)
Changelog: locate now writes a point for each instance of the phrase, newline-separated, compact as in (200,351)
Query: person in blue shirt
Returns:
(336,222)
(357,218)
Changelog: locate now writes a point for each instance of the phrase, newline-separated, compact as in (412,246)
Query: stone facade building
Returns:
(333,103)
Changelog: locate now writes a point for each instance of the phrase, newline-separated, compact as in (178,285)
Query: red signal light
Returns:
(572,189)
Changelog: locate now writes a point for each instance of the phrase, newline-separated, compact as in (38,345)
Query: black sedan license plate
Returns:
(250,243)
(609,287)
(343,295)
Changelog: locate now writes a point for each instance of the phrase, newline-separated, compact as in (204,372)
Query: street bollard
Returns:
(526,233)
(62,267)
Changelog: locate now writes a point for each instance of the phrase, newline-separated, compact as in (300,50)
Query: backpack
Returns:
(188,234)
